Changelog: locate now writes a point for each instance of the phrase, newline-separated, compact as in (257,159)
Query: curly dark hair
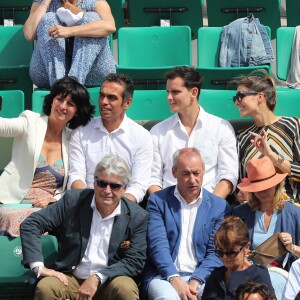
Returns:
(79,94)
(252,288)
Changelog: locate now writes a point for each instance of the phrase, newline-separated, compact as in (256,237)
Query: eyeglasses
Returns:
(113,185)
(231,253)
(241,94)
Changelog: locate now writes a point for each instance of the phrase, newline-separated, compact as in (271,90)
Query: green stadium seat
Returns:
(117,9)
(11,105)
(292,13)
(148,105)
(146,53)
(39,94)
(15,56)
(17,282)
(151,13)
(17,10)
(216,77)
(222,12)
(284,42)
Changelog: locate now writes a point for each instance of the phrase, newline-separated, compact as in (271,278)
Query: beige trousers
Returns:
(120,288)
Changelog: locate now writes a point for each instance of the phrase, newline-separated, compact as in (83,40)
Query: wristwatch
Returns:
(196,280)
(280,160)
(98,277)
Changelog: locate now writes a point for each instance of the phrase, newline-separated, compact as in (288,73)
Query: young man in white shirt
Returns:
(112,133)
(192,126)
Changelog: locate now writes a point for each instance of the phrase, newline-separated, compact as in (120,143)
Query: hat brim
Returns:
(253,187)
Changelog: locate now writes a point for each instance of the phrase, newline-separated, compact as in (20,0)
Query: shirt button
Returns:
(73,268)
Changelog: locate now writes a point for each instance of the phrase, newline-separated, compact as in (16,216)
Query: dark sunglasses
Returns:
(230,253)
(113,185)
(240,95)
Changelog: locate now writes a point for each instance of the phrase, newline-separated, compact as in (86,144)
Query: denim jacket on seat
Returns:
(245,42)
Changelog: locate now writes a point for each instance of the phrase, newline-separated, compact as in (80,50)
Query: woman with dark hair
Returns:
(232,244)
(274,136)
(37,172)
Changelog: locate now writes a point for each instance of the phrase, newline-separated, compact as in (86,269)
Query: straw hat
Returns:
(261,175)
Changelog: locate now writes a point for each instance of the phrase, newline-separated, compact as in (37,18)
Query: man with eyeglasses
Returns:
(183,220)
(101,235)
(192,126)
(112,133)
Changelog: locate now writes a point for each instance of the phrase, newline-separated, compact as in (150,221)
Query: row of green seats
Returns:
(146,53)
(149,105)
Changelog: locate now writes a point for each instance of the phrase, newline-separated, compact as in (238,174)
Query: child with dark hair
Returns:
(253,291)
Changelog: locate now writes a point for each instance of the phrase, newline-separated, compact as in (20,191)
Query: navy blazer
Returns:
(164,231)
(288,219)
(70,218)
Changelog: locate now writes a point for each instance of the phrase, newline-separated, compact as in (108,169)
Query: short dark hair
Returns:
(125,81)
(190,76)
(80,96)
(252,288)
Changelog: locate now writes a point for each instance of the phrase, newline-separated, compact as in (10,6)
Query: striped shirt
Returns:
(283,138)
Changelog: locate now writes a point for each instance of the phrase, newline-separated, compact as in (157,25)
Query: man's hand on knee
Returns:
(183,289)
(52,273)
(89,288)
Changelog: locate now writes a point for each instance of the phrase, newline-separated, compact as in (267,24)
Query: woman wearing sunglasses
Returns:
(232,244)
(274,136)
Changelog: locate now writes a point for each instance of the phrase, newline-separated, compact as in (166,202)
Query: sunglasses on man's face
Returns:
(231,253)
(241,94)
(113,185)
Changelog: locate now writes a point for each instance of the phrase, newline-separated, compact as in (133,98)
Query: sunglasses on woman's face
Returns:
(231,253)
(241,94)
(113,185)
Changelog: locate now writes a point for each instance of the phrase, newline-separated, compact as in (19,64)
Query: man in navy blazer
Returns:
(102,240)
(182,223)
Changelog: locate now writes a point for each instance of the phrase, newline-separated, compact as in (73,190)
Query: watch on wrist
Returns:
(198,281)
(280,160)
(98,277)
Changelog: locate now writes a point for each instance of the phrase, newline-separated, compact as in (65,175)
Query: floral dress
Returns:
(92,59)
(47,179)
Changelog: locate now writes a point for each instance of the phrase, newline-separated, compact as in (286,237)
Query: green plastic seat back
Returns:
(288,103)
(15,50)
(117,9)
(14,278)
(150,13)
(292,13)
(154,47)
(222,12)
(216,77)
(149,105)
(15,56)
(11,106)
(284,42)
(146,53)
(38,97)
(219,103)
(18,10)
